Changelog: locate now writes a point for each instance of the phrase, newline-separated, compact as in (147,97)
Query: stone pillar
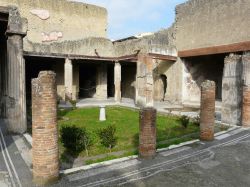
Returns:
(76,87)
(246,90)
(68,79)
(45,156)
(101,82)
(144,81)
(16,93)
(207,119)
(117,82)
(232,90)
(147,135)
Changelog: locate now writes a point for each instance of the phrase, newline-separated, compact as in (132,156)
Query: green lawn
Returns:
(127,128)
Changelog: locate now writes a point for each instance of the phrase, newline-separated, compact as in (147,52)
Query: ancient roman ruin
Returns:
(209,40)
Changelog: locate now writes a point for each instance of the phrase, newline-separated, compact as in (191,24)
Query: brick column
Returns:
(147,136)
(68,79)
(144,81)
(207,110)
(246,90)
(45,156)
(117,76)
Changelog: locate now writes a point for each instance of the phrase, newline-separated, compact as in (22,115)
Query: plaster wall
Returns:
(206,23)
(196,71)
(173,72)
(161,42)
(60,20)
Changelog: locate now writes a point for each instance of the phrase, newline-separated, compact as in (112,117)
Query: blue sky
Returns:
(130,17)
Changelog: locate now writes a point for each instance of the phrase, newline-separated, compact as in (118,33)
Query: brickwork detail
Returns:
(246,90)
(232,90)
(147,136)
(207,111)
(44,129)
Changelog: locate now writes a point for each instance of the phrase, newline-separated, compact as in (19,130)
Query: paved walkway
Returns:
(223,162)
(13,169)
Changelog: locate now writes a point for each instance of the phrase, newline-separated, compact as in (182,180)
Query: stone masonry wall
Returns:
(173,72)
(145,81)
(232,90)
(51,20)
(206,23)
(246,90)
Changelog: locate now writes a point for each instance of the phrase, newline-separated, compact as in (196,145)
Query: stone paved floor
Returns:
(223,162)
(13,169)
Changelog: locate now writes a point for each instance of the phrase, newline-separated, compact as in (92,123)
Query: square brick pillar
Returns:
(147,134)
(207,119)
(232,90)
(246,90)
(45,156)
(145,81)
(117,82)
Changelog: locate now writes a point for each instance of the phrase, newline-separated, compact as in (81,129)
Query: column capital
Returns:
(67,60)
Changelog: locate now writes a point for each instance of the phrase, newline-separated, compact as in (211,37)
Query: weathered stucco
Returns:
(206,23)
(88,46)
(162,42)
(173,73)
(199,69)
(60,20)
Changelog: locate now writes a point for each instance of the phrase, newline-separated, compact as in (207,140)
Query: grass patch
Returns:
(126,122)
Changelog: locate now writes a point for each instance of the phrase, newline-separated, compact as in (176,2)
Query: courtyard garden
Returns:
(83,136)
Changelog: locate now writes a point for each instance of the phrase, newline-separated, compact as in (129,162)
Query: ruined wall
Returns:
(60,20)
(173,73)
(198,69)
(206,23)
(232,90)
(88,46)
(161,42)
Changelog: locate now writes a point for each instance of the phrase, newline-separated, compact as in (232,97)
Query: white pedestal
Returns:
(102,116)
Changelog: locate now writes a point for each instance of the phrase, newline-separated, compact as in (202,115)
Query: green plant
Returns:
(196,121)
(184,121)
(107,136)
(76,139)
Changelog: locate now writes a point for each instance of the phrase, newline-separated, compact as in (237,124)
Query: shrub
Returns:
(107,136)
(184,121)
(196,121)
(76,139)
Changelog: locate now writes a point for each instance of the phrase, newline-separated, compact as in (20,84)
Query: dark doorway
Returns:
(206,67)
(87,80)
(128,81)
(3,64)
(111,85)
